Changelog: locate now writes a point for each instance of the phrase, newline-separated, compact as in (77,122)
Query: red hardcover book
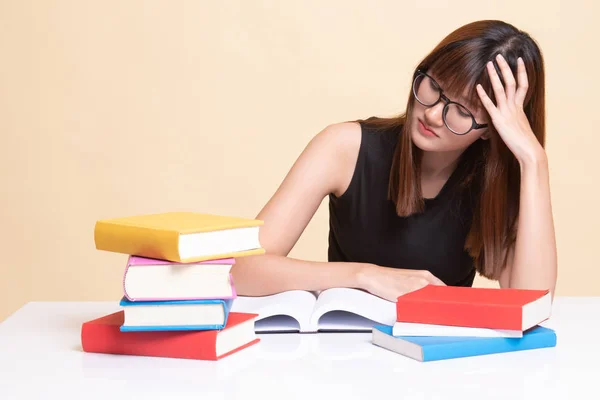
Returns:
(103,335)
(510,309)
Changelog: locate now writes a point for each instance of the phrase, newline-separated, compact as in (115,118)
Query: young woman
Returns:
(455,185)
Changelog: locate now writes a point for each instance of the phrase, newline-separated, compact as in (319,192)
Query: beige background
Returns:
(113,108)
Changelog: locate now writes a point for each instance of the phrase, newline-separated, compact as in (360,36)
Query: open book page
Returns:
(282,312)
(348,309)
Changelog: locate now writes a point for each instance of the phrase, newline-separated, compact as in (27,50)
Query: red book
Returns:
(510,309)
(103,335)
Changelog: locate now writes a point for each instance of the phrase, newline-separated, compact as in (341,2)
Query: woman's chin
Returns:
(426,143)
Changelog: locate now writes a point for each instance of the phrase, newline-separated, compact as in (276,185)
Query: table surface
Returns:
(41,358)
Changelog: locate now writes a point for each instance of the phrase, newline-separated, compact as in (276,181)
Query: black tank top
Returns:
(364,226)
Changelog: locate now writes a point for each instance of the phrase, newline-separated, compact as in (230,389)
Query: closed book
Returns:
(148,279)
(508,309)
(103,335)
(435,348)
(180,236)
(175,315)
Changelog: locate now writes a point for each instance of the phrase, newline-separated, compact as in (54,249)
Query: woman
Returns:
(457,184)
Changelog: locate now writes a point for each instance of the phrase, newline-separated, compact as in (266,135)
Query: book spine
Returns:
(135,240)
(125,283)
(227,304)
(471,315)
(232,284)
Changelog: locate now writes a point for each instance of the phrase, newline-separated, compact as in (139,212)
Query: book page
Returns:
(351,309)
(282,312)
(417,329)
(335,321)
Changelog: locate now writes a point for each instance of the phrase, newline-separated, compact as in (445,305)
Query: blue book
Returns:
(433,348)
(175,315)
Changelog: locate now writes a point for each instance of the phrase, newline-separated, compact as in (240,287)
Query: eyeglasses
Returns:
(456,117)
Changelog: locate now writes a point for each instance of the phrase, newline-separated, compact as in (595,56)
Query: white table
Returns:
(41,358)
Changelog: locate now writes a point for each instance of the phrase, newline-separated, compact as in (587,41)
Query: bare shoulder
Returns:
(341,141)
(342,132)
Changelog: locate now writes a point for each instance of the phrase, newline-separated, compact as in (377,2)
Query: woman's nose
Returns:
(433,115)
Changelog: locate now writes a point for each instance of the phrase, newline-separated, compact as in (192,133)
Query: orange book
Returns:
(103,335)
(180,236)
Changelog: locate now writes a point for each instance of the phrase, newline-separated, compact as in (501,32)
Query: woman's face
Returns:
(428,131)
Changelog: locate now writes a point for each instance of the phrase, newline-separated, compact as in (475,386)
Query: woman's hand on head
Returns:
(390,283)
(507,115)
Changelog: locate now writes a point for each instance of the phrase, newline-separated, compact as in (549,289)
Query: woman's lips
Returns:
(425,131)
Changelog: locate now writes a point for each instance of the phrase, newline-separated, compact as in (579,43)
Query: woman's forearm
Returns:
(268,274)
(534,264)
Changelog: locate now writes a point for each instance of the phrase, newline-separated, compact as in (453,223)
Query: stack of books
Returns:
(444,322)
(177,286)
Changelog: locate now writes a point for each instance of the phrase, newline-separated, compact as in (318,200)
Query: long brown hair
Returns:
(459,61)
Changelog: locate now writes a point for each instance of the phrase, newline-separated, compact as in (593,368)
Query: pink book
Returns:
(148,279)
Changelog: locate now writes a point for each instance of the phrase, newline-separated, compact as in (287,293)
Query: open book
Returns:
(336,309)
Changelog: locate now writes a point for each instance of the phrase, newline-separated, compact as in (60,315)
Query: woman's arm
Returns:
(533,261)
(271,273)
(322,168)
(325,166)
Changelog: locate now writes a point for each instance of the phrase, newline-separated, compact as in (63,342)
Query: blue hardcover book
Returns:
(175,315)
(433,348)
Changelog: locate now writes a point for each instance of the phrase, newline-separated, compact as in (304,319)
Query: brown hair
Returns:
(459,61)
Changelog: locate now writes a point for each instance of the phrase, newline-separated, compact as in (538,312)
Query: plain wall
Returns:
(114,108)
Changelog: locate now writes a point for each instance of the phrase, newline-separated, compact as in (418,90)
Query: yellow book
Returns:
(180,236)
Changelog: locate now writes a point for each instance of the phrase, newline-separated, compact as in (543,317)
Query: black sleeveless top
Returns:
(364,226)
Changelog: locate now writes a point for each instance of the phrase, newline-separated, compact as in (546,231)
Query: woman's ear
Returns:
(485,135)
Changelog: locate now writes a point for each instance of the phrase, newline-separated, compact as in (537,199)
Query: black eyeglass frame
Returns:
(447,101)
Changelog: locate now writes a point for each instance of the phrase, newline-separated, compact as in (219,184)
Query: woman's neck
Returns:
(439,164)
